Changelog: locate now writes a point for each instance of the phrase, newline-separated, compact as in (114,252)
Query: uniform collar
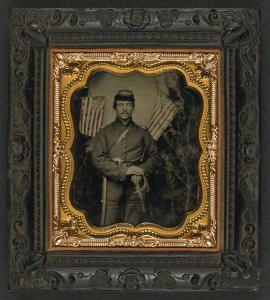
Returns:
(117,120)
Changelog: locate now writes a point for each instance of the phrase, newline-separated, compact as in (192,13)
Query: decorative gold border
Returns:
(70,70)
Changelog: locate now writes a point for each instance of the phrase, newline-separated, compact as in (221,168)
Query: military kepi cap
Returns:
(124,95)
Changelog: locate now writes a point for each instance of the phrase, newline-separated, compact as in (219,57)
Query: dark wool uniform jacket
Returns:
(136,148)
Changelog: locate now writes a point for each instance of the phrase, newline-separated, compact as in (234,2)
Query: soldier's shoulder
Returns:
(141,126)
(107,126)
(103,130)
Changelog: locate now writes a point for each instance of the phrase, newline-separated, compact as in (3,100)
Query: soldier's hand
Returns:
(136,179)
(89,146)
(133,170)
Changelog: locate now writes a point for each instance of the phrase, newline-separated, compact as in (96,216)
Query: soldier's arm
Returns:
(101,160)
(151,156)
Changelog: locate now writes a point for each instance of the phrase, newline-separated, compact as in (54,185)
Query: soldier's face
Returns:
(124,110)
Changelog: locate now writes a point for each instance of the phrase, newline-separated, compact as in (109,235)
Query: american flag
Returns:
(92,111)
(163,114)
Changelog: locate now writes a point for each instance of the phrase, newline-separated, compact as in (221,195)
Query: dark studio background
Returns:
(264,288)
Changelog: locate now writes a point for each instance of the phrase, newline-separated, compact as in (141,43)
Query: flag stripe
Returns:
(161,118)
(89,121)
(162,114)
(157,132)
(95,118)
(88,117)
(100,118)
(157,110)
(161,111)
(94,127)
(91,116)
(164,122)
(155,119)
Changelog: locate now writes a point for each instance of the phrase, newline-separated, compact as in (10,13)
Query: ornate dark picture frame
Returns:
(235,33)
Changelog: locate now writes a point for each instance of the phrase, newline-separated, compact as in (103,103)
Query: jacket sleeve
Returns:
(151,157)
(101,160)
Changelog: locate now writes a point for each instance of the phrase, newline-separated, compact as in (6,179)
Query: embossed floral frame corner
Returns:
(234,34)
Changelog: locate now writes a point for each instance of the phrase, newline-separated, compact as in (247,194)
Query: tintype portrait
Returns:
(164,144)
